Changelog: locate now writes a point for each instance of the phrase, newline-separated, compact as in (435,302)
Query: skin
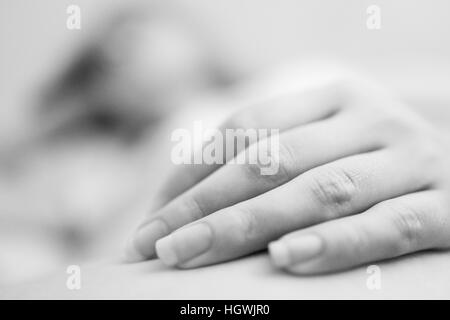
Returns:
(362,178)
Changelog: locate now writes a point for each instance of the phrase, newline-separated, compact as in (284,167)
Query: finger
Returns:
(344,187)
(390,229)
(300,149)
(303,107)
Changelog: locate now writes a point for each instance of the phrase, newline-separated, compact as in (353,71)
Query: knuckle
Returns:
(279,161)
(195,208)
(334,188)
(409,224)
(247,223)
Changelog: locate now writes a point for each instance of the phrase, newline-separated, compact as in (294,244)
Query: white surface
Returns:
(249,278)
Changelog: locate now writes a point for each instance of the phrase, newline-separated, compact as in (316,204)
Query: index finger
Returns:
(281,112)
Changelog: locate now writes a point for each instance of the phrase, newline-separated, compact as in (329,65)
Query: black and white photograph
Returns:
(243,151)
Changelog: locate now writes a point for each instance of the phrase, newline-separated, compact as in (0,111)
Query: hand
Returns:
(361,178)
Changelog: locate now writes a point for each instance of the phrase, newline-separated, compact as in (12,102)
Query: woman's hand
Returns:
(361,178)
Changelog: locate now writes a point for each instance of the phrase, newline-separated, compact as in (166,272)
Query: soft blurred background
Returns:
(86,115)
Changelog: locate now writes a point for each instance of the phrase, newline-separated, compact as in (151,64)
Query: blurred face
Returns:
(150,64)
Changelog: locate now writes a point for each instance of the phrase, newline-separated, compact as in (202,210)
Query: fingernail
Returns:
(142,245)
(289,252)
(280,254)
(184,244)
